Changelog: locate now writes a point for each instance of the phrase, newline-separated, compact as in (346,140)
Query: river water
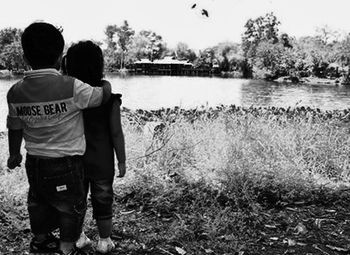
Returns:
(154,92)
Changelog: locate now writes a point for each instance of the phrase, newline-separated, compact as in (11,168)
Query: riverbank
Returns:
(225,180)
(312,80)
(6,75)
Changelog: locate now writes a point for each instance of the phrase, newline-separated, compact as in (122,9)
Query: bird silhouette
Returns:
(194,6)
(205,12)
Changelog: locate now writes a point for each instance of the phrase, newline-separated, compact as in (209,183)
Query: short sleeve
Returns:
(86,96)
(13,121)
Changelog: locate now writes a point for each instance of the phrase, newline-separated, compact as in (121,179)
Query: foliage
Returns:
(342,50)
(182,51)
(228,55)
(125,34)
(11,53)
(276,59)
(263,52)
(206,59)
(271,55)
(110,32)
(148,44)
(217,181)
(327,35)
(263,28)
(9,36)
(118,41)
(12,56)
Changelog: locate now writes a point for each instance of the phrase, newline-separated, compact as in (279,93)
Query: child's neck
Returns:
(45,67)
(54,66)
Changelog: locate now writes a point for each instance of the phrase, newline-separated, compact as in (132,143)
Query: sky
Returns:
(174,20)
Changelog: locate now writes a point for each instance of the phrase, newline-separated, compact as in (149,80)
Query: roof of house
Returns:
(165,61)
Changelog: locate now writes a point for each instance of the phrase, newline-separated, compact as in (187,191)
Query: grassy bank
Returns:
(218,181)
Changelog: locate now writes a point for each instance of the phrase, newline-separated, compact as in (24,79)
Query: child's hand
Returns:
(122,170)
(107,84)
(14,161)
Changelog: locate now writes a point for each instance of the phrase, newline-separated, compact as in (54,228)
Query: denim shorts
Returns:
(56,197)
(101,197)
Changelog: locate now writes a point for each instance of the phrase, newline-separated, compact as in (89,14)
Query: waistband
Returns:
(54,160)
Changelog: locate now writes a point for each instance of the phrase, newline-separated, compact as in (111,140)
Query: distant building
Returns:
(166,66)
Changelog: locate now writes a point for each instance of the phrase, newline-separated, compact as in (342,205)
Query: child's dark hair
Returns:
(84,61)
(42,45)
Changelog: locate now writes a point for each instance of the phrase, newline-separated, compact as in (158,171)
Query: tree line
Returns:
(263,52)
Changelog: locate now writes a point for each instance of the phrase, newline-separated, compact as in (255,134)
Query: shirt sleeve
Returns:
(86,96)
(13,121)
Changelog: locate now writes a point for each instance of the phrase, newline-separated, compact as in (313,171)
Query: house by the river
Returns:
(167,66)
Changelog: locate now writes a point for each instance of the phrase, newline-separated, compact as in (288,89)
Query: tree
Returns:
(327,35)
(317,54)
(286,41)
(342,51)
(182,51)
(228,56)
(147,44)
(110,32)
(125,34)
(274,60)
(11,53)
(206,59)
(118,40)
(9,35)
(12,56)
(110,53)
(263,28)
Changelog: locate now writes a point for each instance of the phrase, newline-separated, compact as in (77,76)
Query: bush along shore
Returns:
(224,180)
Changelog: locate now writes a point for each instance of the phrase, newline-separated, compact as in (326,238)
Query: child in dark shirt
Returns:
(104,135)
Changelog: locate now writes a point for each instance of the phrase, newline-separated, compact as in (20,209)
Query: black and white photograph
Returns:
(175,127)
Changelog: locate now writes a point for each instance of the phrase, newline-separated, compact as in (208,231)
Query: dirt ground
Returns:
(298,228)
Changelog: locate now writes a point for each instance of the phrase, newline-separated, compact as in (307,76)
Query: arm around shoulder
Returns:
(107,90)
(86,96)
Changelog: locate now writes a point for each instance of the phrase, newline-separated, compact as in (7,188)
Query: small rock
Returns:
(300,229)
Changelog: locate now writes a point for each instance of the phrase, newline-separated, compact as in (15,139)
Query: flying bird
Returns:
(205,12)
(194,6)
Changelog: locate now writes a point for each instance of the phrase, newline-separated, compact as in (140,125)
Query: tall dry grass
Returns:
(288,151)
(215,151)
(216,173)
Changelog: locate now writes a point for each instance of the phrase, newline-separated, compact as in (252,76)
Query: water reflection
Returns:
(188,92)
(154,92)
(260,93)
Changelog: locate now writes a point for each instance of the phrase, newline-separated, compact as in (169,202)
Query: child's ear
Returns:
(64,65)
(60,58)
(58,62)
